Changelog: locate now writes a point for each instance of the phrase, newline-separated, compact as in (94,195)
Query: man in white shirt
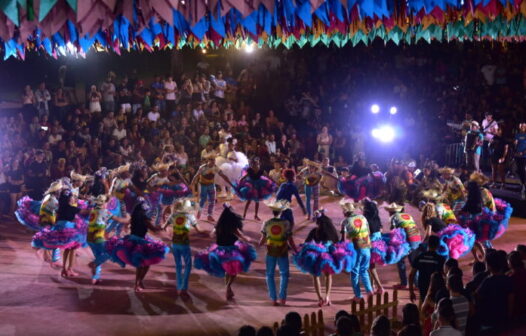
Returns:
(154,114)
(208,151)
(42,97)
(198,111)
(120,132)
(108,95)
(220,87)
(54,138)
(271,144)
(489,127)
(170,88)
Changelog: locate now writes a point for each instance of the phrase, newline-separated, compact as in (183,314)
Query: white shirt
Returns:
(108,91)
(154,116)
(119,134)
(487,127)
(170,86)
(271,146)
(220,83)
(446,331)
(488,71)
(198,114)
(54,139)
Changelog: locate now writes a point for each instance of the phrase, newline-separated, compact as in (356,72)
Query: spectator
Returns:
(285,330)
(94,98)
(344,327)
(381,326)
(15,180)
(473,147)
(449,264)
(108,94)
(425,264)
(446,320)
(437,290)
(411,316)
(265,331)
(28,102)
(293,319)
(461,304)
(522,251)
(42,98)
(247,330)
(170,90)
(324,142)
(479,274)
(154,114)
(410,330)
(518,277)
(220,87)
(120,132)
(271,144)
(498,149)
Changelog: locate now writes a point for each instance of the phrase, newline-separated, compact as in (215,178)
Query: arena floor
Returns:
(35,300)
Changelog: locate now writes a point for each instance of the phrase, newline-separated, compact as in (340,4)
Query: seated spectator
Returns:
(120,132)
(344,327)
(381,326)
(293,319)
(247,330)
(461,304)
(518,277)
(446,320)
(411,317)
(265,331)
(479,274)
(410,330)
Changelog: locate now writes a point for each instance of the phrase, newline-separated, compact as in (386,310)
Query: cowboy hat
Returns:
(347,205)
(162,166)
(446,170)
(183,205)
(479,178)
(54,187)
(123,169)
(100,200)
(77,177)
(308,162)
(432,195)
(393,207)
(279,205)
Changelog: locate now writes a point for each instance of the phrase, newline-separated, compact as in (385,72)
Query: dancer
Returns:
(323,254)
(370,212)
(254,187)
(232,163)
(98,218)
(328,184)
(182,221)
(356,229)
(285,192)
(119,185)
(157,182)
(311,176)
(78,185)
(399,219)
(206,175)
(454,189)
(232,252)
(276,234)
(137,249)
(68,233)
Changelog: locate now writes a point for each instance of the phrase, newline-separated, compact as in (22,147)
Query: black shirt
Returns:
(497,147)
(67,213)
(427,263)
(139,222)
(227,237)
(253,174)
(492,300)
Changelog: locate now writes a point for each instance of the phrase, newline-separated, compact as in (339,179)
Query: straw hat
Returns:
(183,205)
(210,156)
(311,163)
(279,205)
(446,170)
(123,169)
(432,195)
(347,205)
(393,207)
(77,177)
(100,200)
(162,166)
(54,187)
(480,178)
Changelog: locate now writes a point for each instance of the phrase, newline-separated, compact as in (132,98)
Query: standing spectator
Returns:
(520,156)
(498,149)
(271,144)
(61,102)
(28,102)
(446,320)
(494,299)
(157,92)
(324,142)
(518,277)
(15,180)
(94,98)
(479,274)
(473,147)
(108,94)
(170,90)
(125,96)
(220,87)
(42,98)
(139,92)
(461,304)
(425,264)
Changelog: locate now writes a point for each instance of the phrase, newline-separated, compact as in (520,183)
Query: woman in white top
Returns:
(94,100)
(324,141)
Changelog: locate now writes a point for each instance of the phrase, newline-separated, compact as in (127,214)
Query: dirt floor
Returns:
(35,300)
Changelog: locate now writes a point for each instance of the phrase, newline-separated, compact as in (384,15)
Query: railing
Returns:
(455,154)
(313,324)
(366,315)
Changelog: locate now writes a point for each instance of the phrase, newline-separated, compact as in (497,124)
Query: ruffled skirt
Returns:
(488,225)
(28,212)
(136,251)
(315,259)
(64,235)
(221,260)
(170,193)
(255,190)
(455,241)
(389,248)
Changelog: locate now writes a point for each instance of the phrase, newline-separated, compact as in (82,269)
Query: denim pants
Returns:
(208,192)
(100,258)
(283,264)
(55,255)
(182,253)
(114,225)
(360,271)
(314,192)
(402,271)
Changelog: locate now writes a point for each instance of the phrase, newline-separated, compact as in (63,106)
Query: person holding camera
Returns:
(473,146)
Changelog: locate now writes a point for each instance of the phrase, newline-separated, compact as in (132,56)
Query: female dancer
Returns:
(254,187)
(231,254)
(285,192)
(370,212)
(68,233)
(137,249)
(231,163)
(323,254)
(311,175)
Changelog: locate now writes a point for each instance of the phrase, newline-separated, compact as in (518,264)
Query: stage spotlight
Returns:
(384,133)
(375,109)
(393,110)
(203,51)
(249,48)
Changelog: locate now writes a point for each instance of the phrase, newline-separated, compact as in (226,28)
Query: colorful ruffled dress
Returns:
(28,212)
(171,192)
(407,223)
(327,258)
(389,248)
(254,186)
(136,249)
(115,208)
(347,186)
(455,241)
(69,232)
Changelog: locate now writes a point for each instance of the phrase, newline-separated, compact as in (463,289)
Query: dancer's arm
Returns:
(227,180)
(292,244)
(298,198)
(262,240)
(239,234)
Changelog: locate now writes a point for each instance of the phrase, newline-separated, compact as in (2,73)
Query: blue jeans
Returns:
(402,271)
(114,225)
(100,258)
(283,264)
(314,192)
(360,271)
(55,255)
(208,191)
(182,253)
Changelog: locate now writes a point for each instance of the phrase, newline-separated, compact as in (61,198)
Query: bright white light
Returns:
(375,109)
(393,110)
(384,133)
(249,48)
(203,51)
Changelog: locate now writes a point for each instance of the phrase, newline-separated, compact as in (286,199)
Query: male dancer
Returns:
(356,229)
(275,234)
(285,192)
(311,178)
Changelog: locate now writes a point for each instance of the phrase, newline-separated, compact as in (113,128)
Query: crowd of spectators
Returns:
(491,303)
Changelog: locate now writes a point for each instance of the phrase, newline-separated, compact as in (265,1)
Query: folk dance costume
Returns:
(285,192)
(119,187)
(406,222)
(137,249)
(255,187)
(323,254)
(229,256)
(156,184)
(311,179)
(356,229)
(454,190)
(276,236)
(182,221)
(231,163)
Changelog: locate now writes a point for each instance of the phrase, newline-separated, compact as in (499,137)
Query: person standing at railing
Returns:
(473,147)
(520,156)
